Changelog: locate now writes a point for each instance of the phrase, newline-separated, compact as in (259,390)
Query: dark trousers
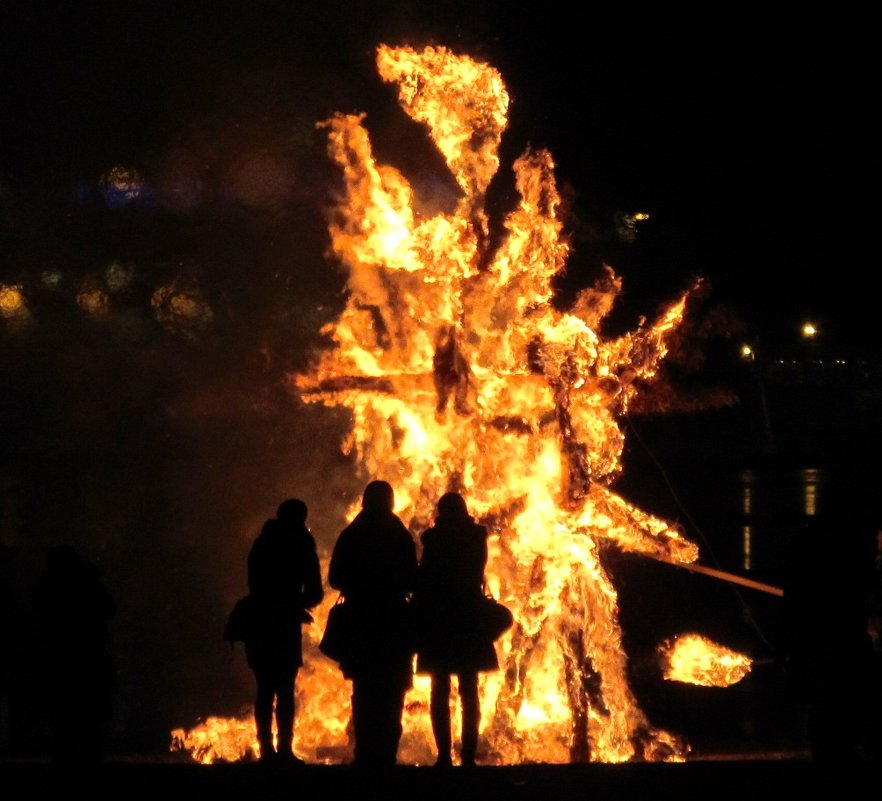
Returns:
(439,707)
(275,686)
(377,706)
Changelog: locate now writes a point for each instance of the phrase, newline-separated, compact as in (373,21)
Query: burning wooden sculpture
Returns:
(460,374)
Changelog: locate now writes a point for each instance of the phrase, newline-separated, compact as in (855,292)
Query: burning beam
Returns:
(732,578)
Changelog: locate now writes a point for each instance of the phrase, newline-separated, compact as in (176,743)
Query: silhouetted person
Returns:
(374,566)
(450,584)
(284,582)
(73,611)
(827,644)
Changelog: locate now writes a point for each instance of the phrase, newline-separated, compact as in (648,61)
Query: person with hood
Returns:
(373,566)
(284,583)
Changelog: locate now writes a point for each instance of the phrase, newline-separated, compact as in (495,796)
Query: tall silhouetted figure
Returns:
(827,645)
(73,611)
(284,582)
(374,566)
(450,584)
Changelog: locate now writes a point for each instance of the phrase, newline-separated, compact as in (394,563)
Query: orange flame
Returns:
(459,373)
(218,740)
(693,659)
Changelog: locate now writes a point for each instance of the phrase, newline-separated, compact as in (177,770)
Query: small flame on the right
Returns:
(693,659)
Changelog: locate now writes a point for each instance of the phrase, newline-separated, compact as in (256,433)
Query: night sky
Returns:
(749,132)
(749,136)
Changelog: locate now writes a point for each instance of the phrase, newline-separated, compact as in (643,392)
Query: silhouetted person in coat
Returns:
(284,582)
(827,645)
(374,566)
(73,611)
(450,584)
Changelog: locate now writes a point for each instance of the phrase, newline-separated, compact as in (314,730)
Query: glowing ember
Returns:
(693,659)
(460,374)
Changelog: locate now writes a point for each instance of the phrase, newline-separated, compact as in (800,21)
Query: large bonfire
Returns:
(461,374)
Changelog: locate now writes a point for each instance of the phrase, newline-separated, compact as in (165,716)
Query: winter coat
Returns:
(450,585)
(284,582)
(373,565)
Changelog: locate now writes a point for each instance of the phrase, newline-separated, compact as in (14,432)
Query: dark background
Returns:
(158,445)
(749,133)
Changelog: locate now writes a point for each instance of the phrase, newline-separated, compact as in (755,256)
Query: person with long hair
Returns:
(450,585)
